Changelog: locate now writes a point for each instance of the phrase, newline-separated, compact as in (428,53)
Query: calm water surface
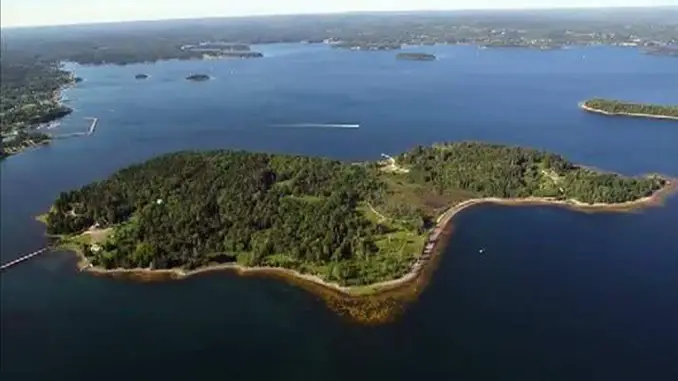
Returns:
(558,295)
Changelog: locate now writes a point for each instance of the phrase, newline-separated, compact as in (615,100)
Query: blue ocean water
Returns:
(559,295)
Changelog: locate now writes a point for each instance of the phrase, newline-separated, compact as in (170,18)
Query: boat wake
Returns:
(316,125)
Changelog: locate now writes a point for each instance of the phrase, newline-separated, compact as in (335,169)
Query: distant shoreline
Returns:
(443,222)
(57,98)
(583,106)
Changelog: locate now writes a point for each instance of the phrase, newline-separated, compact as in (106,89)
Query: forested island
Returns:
(220,49)
(349,224)
(234,54)
(615,107)
(198,77)
(416,56)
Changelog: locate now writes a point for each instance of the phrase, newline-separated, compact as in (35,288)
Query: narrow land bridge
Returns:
(24,258)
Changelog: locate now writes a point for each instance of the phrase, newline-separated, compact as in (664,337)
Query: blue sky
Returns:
(56,12)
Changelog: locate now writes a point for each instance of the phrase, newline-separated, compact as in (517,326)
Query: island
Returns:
(221,49)
(366,45)
(198,77)
(232,54)
(344,230)
(416,56)
(141,76)
(620,108)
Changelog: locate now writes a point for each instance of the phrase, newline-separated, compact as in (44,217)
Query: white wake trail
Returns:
(316,125)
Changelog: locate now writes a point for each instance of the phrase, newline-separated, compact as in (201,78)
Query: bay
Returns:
(559,295)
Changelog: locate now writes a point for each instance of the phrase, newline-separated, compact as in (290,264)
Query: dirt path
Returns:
(98,235)
(382,218)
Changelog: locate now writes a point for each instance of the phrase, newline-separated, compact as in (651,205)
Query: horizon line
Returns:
(357,12)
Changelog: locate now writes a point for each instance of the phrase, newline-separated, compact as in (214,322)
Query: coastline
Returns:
(419,267)
(57,98)
(584,107)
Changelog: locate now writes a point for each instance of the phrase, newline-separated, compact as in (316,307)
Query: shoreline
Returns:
(418,268)
(57,98)
(584,107)
(377,303)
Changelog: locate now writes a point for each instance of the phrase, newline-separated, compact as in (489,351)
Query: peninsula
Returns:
(198,77)
(343,229)
(416,56)
(29,104)
(619,108)
(22,140)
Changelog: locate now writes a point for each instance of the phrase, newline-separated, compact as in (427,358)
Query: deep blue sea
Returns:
(558,294)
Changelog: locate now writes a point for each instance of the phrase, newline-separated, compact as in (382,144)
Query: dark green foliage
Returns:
(190,209)
(614,106)
(490,170)
(594,187)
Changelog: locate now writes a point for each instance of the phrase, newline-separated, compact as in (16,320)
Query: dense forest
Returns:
(191,209)
(615,106)
(489,170)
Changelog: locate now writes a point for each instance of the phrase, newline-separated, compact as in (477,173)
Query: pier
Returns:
(93,125)
(89,131)
(23,259)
